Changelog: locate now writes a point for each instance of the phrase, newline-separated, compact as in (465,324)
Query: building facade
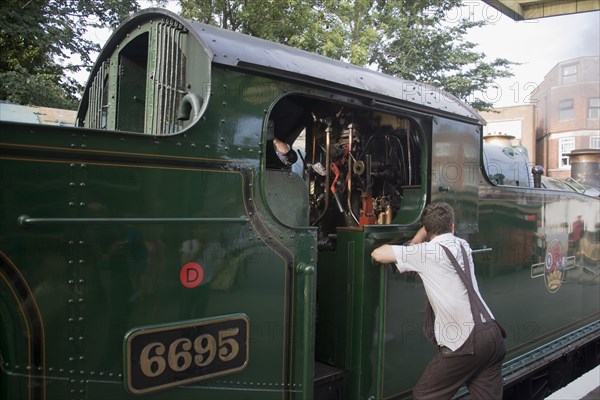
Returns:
(568,113)
(563,116)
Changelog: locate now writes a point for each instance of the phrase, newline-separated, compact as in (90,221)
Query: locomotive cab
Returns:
(371,150)
(359,169)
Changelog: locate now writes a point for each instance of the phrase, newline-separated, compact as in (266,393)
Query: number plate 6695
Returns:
(172,355)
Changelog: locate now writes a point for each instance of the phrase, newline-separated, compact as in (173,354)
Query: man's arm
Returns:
(385,254)
(420,236)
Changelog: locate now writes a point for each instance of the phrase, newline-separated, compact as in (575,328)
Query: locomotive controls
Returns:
(356,162)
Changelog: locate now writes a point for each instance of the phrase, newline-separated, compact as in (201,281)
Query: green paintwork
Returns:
(94,281)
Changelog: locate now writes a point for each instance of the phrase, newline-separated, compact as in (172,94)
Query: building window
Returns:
(565,147)
(569,74)
(595,142)
(565,110)
(594,108)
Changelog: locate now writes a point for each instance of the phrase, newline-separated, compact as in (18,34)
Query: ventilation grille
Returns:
(98,103)
(168,79)
(165,84)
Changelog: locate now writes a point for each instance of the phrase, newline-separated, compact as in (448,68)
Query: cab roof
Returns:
(244,52)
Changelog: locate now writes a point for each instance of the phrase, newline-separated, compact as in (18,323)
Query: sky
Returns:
(537,45)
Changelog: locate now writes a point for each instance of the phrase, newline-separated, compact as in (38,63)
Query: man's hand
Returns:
(280,146)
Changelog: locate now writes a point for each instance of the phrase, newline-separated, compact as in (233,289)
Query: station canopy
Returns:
(520,10)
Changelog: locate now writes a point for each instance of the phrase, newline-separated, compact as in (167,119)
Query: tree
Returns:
(38,40)
(283,21)
(420,40)
(424,41)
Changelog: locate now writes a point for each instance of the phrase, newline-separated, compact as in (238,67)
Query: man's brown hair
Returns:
(438,218)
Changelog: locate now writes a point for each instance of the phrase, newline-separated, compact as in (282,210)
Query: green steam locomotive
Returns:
(163,249)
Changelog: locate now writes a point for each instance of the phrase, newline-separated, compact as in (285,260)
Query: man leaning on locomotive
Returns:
(474,354)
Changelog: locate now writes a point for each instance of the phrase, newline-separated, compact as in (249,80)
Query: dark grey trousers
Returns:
(478,364)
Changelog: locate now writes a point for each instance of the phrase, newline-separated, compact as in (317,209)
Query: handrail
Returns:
(189,106)
(26,220)
(308,271)
(381,329)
